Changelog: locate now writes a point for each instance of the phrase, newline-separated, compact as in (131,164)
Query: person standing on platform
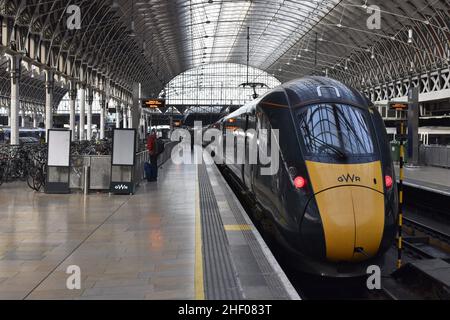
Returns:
(153,152)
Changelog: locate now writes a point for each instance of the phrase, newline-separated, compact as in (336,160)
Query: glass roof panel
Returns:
(218,29)
(217,84)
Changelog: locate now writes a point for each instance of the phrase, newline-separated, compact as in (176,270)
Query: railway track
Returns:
(424,241)
(436,234)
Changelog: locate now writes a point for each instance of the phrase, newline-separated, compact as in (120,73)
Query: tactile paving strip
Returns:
(219,274)
(273,281)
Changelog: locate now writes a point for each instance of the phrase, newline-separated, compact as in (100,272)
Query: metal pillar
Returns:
(49,82)
(90,100)
(22,118)
(15,78)
(102,118)
(35,119)
(413,126)
(72,106)
(82,112)
(117,114)
(130,118)
(124,116)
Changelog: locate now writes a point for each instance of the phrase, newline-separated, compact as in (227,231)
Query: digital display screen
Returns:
(153,103)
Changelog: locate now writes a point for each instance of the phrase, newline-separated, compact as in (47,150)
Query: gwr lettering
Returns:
(348,178)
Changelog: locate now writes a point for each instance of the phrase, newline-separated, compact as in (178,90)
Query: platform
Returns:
(432,179)
(184,237)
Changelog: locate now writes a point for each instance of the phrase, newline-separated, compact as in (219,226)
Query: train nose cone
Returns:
(353,222)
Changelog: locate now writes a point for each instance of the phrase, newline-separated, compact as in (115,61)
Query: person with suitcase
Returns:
(152,167)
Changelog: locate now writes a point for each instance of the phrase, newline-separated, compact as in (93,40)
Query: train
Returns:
(26,135)
(333,202)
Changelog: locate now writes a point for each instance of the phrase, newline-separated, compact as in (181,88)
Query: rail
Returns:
(427,230)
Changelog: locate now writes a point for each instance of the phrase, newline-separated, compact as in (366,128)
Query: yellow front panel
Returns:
(351,204)
(336,210)
(369,218)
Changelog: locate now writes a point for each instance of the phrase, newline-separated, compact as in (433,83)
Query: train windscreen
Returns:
(335,130)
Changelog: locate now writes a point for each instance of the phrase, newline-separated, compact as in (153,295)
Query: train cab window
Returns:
(336,130)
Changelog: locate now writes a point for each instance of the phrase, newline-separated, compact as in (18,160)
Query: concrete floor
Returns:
(140,247)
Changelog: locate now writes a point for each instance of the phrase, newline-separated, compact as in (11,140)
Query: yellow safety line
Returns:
(238,227)
(198,278)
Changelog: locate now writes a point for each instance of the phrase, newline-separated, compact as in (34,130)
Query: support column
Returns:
(117,114)
(130,118)
(9,117)
(102,117)
(90,100)
(72,106)
(125,122)
(413,126)
(35,124)
(82,112)
(22,118)
(49,83)
(14,117)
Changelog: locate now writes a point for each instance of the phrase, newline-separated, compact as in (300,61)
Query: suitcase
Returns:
(148,171)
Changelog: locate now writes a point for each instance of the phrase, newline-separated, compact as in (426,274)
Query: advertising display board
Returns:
(124,147)
(59,148)
(123,161)
(58,161)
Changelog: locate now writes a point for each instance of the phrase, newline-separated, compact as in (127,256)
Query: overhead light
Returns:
(410,35)
(115,5)
(132,29)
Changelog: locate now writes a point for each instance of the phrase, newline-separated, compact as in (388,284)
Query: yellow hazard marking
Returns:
(401,196)
(198,278)
(238,227)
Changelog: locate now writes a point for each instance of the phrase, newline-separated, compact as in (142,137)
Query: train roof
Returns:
(314,89)
(307,91)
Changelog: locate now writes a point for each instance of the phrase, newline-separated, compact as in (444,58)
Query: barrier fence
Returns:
(100,169)
(435,156)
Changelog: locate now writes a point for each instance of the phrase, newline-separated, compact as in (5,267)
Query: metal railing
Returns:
(100,168)
(435,156)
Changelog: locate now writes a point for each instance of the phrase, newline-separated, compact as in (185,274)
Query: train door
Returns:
(262,183)
(249,136)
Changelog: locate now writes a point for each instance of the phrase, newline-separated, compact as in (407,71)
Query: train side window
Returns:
(264,131)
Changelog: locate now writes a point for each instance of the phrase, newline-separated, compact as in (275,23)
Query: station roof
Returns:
(153,41)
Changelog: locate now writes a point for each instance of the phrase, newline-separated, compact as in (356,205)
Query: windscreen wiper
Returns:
(322,143)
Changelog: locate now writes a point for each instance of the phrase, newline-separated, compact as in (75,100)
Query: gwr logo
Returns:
(349,178)
(121,187)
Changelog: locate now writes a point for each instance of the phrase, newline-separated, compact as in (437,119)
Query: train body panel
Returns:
(333,200)
(351,202)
